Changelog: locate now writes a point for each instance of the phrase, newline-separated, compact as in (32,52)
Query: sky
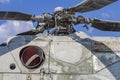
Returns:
(36,7)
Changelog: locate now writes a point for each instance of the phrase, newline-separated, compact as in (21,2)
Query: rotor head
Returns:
(58,9)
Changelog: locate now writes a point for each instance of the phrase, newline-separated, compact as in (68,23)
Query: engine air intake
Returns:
(32,57)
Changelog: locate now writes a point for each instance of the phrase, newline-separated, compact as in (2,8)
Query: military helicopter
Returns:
(63,54)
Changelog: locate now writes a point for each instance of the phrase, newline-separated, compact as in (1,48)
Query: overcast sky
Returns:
(11,28)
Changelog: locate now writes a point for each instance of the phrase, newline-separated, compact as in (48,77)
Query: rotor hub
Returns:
(58,9)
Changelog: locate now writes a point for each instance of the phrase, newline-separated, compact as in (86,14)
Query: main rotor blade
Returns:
(30,32)
(89,5)
(106,25)
(14,16)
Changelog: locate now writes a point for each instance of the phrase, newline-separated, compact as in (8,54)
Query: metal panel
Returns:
(107,64)
(70,57)
(14,77)
(6,60)
(106,60)
(16,52)
(80,77)
(106,46)
(3,50)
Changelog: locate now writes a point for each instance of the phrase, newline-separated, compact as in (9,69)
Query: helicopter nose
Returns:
(32,57)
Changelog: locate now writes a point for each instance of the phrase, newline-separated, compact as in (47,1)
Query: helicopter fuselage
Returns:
(72,57)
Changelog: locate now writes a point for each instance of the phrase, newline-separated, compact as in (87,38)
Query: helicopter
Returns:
(63,54)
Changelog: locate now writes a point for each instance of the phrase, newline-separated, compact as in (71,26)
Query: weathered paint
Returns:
(73,57)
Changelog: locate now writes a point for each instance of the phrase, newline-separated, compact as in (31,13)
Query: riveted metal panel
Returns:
(71,57)
(14,77)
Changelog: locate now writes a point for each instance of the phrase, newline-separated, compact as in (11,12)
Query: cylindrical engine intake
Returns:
(32,57)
